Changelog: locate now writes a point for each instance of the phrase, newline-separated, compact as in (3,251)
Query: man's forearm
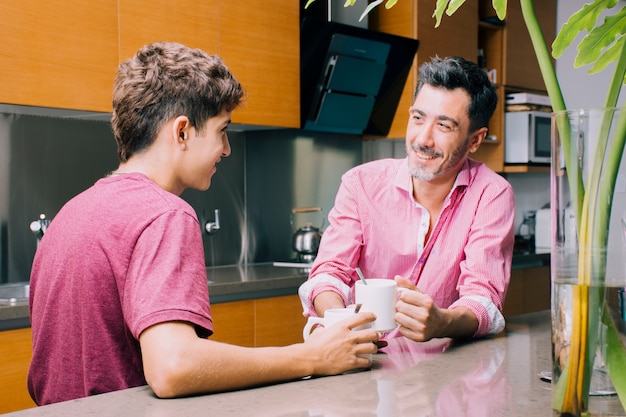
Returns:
(326,300)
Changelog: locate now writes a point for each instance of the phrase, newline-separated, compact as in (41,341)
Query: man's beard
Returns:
(420,172)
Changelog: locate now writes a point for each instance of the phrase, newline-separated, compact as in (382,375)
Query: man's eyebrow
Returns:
(449,119)
(441,117)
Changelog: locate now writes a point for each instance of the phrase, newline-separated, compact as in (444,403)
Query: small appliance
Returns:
(527,137)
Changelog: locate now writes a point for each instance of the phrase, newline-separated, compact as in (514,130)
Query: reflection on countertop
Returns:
(488,377)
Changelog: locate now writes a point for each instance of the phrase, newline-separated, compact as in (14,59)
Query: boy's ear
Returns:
(180,129)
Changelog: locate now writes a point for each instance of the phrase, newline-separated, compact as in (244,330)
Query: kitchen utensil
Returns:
(360,274)
(306,240)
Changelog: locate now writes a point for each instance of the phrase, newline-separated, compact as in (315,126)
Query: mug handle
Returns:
(308,327)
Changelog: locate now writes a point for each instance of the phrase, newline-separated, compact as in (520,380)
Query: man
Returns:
(438,222)
(119,293)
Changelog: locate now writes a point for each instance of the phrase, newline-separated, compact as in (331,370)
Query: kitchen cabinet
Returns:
(519,67)
(190,22)
(66,57)
(261,45)
(275,321)
(529,291)
(15,353)
(507,49)
(61,56)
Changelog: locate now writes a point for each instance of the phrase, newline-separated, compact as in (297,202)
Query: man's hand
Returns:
(420,319)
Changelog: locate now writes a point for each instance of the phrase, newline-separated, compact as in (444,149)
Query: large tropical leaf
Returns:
(583,20)
(600,38)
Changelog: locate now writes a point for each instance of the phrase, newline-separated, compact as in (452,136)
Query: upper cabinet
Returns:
(61,56)
(190,22)
(520,68)
(260,43)
(66,57)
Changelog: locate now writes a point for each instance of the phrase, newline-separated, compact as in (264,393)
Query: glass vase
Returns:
(588,262)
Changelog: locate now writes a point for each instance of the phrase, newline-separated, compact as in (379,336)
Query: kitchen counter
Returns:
(243,282)
(231,283)
(487,377)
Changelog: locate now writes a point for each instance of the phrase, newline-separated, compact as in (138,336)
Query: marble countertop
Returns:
(243,282)
(487,377)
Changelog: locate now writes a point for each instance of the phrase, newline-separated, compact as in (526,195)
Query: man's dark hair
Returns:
(456,72)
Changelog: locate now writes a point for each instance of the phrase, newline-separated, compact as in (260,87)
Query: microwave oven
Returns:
(527,137)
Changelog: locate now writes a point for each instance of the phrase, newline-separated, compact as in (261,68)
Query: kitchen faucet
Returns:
(38,227)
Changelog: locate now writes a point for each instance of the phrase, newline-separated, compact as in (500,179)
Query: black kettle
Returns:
(306,240)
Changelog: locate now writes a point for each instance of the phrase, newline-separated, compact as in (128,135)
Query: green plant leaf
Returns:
(500,7)
(584,19)
(600,38)
(390,4)
(453,6)
(349,3)
(440,7)
(615,357)
(609,55)
(308,3)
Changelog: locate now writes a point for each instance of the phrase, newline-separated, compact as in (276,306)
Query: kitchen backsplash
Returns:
(45,161)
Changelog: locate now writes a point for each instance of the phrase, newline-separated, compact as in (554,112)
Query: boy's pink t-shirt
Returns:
(118,258)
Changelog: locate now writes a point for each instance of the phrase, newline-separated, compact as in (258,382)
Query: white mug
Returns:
(378,296)
(331,316)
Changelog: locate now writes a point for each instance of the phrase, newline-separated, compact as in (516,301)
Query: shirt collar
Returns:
(403,176)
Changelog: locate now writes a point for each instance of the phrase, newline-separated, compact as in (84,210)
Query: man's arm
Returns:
(177,362)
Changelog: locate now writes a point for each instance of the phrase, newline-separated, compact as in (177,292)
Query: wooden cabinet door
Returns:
(192,23)
(260,43)
(521,70)
(529,291)
(15,354)
(58,55)
(234,322)
(279,321)
(274,321)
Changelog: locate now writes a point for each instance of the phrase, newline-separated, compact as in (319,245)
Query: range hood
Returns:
(351,78)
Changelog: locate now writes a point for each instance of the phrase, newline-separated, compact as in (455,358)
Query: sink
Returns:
(14,293)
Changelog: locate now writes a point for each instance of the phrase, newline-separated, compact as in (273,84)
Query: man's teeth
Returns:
(423,155)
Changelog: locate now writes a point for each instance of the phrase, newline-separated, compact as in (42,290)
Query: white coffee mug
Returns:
(331,316)
(378,296)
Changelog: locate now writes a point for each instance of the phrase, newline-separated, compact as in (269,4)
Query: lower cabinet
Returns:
(276,321)
(15,353)
(529,291)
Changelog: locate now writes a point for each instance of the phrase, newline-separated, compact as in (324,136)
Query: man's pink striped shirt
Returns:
(377,225)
